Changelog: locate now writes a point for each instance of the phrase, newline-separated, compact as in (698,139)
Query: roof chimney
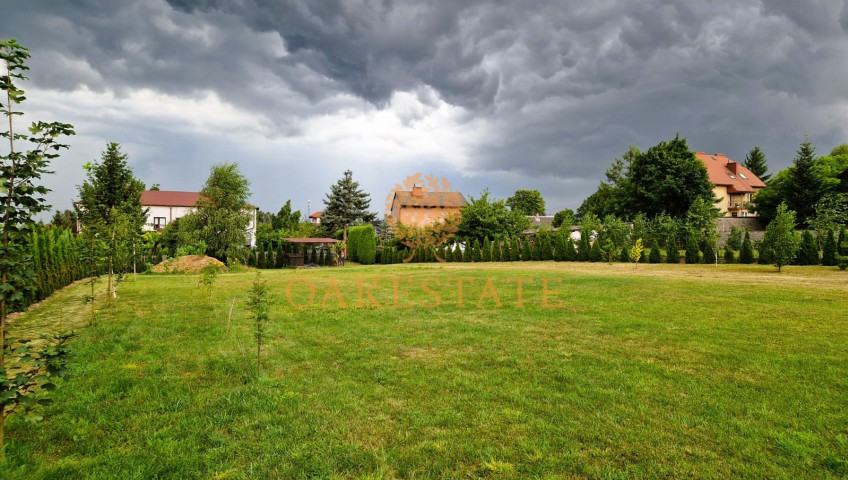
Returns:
(417,191)
(731,165)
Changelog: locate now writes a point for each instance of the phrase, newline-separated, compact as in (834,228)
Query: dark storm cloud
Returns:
(560,87)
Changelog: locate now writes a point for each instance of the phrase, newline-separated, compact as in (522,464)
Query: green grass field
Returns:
(655,371)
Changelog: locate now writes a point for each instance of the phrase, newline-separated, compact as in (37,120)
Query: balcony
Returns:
(735,206)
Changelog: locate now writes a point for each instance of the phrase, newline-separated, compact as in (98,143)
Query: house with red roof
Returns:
(163,207)
(315,218)
(733,184)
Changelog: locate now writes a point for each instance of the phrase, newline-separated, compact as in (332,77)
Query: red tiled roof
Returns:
(429,199)
(164,198)
(727,173)
(316,214)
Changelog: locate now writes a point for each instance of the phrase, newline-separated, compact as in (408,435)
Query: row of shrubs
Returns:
(59,258)
(267,257)
(563,248)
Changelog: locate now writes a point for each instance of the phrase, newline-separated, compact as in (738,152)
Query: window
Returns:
(731,175)
(743,176)
(158,222)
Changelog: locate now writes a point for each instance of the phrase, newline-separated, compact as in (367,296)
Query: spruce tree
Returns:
(693,254)
(755,161)
(746,252)
(829,250)
(729,257)
(804,184)
(672,254)
(809,252)
(345,204)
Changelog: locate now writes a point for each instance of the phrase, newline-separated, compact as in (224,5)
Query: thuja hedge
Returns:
(362,244)
(58,259)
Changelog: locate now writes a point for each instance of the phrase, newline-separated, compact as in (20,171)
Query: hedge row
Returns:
(362,244)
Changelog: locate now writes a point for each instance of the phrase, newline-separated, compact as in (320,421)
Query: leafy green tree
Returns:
(841,149)
(829,250)
(110,208)
(830,211)
(260,310)
(65,219)
(635,252)
(564,219)
(613,195)
(781,242)
(755,161)
(484,218)
(808,253)
(746,252)
(21,196)
(345,205)
(527,202)
(222,214)
(286,219)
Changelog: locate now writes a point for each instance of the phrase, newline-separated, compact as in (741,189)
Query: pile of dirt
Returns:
(188,264)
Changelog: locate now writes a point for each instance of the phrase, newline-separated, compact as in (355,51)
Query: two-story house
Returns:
(420,208)
(733,184)
(163,207)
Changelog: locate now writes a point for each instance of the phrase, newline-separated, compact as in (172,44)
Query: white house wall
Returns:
(172,213)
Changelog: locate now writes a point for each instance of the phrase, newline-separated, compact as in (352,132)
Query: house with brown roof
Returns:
(733,184)
(163,207)
(315,218)
(420,208)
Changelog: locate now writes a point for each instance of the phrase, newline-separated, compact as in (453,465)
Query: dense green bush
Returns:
(595,253)
(729,256)
(655,256)
(362,244)
(829,249)
(693,253)
(710,253)
(672,254)
(809,252)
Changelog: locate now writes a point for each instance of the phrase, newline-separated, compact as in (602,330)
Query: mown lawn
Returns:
(660,371)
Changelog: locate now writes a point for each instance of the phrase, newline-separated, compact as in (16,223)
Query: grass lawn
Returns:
(659,371)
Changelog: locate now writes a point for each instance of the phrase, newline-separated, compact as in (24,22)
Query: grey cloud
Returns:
(561,87)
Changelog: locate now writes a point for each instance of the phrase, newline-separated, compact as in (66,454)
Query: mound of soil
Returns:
(188,264)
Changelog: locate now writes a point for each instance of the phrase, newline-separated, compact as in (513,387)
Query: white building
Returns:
(166,206)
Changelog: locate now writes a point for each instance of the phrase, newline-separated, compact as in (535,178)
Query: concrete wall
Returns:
(754,225)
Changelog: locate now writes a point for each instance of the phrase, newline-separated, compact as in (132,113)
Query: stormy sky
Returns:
(497,94)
